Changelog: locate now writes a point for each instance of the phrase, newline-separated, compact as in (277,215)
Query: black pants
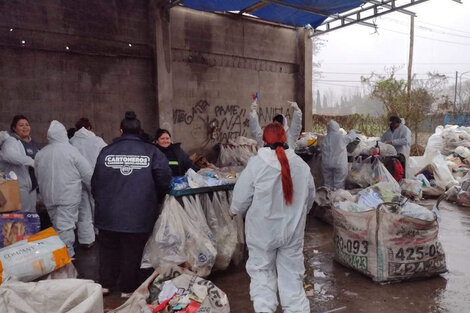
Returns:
(120,256)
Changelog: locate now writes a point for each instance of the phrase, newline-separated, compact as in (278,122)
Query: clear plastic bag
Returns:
(223,229)
(412,188)
(193,207)
(176,239)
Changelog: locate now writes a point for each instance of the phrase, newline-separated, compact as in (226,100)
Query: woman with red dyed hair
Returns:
(276,190)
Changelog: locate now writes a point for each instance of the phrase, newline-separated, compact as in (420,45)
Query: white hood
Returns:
(57,133)
(270,157)
(84,133)
(332,126)
(3,136)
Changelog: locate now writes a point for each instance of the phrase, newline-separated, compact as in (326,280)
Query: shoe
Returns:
(126,295)
(105,291)
(87,245)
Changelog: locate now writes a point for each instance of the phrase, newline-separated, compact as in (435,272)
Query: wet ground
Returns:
(339,289)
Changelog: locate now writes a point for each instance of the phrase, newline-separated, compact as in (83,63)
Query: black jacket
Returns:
(179,160)
(128,176)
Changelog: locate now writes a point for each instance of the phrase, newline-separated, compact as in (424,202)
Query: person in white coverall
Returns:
(61,170)
(17,153)
(89,146)
(277,191)
(292,132)
(334,156)
(398,135)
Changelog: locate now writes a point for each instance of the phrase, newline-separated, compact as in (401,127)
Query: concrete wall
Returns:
(100,76)
(218,62)
(203,81)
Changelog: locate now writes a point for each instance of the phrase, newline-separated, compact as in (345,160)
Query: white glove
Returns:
(254,105)
(294,105)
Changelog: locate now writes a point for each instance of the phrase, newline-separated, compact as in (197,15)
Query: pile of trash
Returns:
(306,140)
(206,177)
(386,237)
(175,289)
(371,146)
(199,234)
(370,171)
(237,152)
(445,165)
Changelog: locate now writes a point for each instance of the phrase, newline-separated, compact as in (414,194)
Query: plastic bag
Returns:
(416,211)
(221,226)
(412,188)
(349,206)
(382,175)
(435,142)
(34,257)
(193,207)
(176,239)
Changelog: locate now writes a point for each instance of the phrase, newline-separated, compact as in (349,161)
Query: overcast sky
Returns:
(442,44)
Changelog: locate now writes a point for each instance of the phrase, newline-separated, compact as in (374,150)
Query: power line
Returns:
(423,37)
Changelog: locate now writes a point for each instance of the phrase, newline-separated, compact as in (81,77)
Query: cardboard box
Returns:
(17,226)
(11,192)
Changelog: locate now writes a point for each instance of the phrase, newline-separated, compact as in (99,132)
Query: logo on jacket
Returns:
(127,163)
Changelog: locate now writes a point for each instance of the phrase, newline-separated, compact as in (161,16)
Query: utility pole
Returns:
(410,61)
(410,70)
(455,92)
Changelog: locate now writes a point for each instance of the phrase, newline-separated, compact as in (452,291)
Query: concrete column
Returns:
(161,33)
(304,83)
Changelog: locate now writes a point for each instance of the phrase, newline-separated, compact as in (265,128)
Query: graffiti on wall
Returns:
(224,122)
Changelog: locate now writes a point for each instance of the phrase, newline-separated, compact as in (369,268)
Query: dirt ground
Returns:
(343,290)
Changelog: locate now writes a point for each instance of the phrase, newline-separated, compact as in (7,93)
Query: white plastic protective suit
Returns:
(334,156)
(400,138)
(292,132)
(89,146)
(275,230)
(61,170)
(13,158)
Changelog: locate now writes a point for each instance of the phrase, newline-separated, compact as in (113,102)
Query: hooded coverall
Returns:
(61,170)
(292,132)
(275,230)
(334,156)
(13,158)
(400,138)
(89,146)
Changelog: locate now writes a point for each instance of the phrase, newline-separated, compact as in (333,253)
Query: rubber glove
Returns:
(294,105)
(254,105)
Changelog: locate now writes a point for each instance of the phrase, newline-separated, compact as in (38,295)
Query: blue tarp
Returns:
(277,13)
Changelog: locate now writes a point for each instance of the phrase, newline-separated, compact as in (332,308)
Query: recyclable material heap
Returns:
(175,289)
(444,168)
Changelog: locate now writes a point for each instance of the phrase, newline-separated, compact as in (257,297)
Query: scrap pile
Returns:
(174,289)
(445,164)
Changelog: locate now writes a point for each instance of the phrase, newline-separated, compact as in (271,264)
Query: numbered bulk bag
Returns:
(176,239)
(34,257)
(388,247)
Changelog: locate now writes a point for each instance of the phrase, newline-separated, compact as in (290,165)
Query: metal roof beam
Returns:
(388,6)
(360,18)
(254,7)
(317,12)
